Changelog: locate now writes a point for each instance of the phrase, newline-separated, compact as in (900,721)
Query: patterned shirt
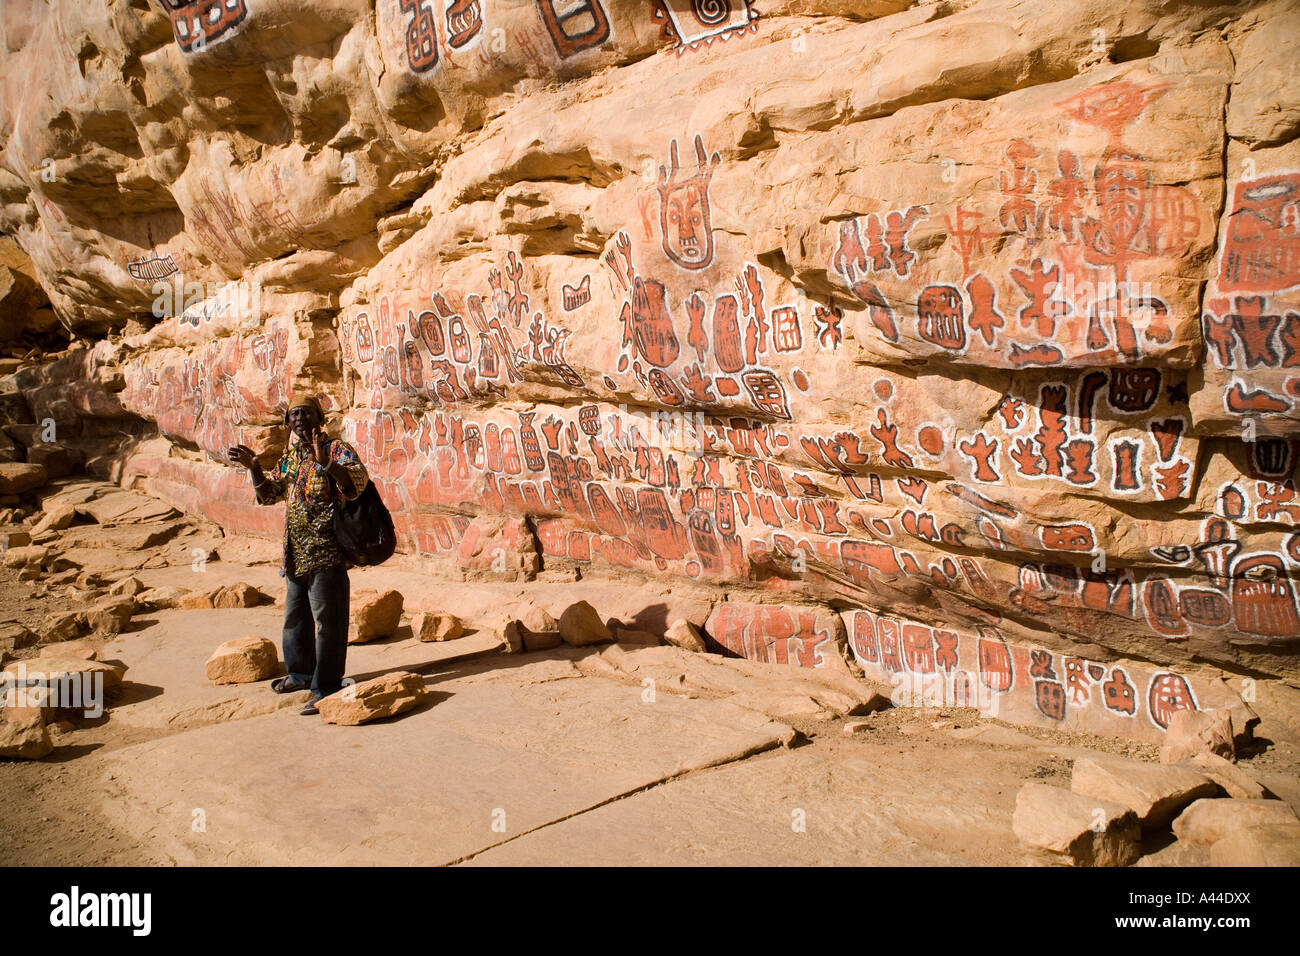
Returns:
(309,518)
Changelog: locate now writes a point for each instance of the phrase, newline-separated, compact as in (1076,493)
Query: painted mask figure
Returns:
(703,540)
(391,370)
(864,636)
(995,667)
(460,346)
(492,441)
(464,20)
(727,348)
(1117,693)
(1263,601)
(414,371)
(1134,389)
(1068,537)
(1271,458)
(1049,698)
(1168,693)
(510,452)
(890,658)
(429,327)
(528,438)
(652,326)
(608,519)
(684,219)
(941,318)
(365,339)
(488,367)
(918,648)
(663,535)
(198,23)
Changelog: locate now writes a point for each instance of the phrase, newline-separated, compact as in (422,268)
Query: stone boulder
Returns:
(48,670)
(63,626)
(19,477)
(129,587)
(1156,793)
(538,629)
(162,598)
(581,626)
(31,556)
(429,627)
(1075,830)
(1192,732)
(1209,821)
(14,539)
(79,649)
(111,615)
(374,614)
(15,636)
(56,519)
(57,459)
(239,595)
(23,733)
(682,633)
(374,699)
(244,660)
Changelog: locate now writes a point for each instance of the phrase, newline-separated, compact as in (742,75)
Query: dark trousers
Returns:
(316,628)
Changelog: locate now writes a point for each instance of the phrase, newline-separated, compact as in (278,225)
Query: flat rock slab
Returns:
(1274,845)
(166,684)
(499,755)
(865,804)
(1156,793)
(1209,821)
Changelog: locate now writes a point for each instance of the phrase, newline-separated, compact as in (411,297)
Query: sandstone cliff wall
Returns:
(965,334)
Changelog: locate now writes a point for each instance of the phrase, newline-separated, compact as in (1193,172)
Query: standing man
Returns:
(315,472)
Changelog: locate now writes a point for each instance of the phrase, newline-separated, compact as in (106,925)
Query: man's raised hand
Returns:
(242,455)
(319,453)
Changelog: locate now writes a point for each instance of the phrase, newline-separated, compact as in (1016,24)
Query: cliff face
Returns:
(964,333)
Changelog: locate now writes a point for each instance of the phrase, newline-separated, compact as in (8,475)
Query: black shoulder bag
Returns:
(363,527)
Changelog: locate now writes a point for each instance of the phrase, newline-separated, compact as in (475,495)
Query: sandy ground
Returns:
(536,758)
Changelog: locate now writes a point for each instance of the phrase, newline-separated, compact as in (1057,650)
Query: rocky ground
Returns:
(605,754)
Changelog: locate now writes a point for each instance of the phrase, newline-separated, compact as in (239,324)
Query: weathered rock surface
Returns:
(1156,793)
(374,614)
(373,699)
(1076,830)
(1209,821)
(996,291)
(243,661)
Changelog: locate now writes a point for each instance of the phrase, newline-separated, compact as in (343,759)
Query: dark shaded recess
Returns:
(1137,47)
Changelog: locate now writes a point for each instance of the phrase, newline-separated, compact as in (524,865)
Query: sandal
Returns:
(287,685)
